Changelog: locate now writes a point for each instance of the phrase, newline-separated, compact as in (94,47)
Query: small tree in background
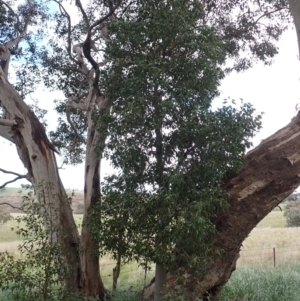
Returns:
(4,216)
(292,214)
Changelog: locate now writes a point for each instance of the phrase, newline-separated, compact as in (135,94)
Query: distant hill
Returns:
(14,196)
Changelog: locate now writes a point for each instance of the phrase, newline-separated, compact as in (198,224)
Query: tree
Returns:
(292,214)
(76,54)
(4,216)
(172,148)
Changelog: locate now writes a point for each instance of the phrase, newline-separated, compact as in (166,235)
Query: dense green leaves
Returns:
(172,149)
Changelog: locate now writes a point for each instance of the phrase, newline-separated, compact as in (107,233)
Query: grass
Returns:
(131,274)
(274,219)
(258,283)
(255,278)
(13,191)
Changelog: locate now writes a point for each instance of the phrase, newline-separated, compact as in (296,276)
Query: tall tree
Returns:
(172,148)
(71,61)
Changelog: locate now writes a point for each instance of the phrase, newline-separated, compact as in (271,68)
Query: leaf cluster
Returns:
(172,150)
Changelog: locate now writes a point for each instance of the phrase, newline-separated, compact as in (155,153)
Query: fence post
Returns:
(274,257)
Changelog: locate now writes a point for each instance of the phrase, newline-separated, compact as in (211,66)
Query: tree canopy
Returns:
(138,78)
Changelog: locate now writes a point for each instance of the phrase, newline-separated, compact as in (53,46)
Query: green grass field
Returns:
(255,278)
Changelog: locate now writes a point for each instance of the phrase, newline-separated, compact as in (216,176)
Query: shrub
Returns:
(80,209)
(292,214)
(4,216)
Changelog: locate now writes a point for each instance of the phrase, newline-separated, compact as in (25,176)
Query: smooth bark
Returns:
(160,280)
(93,285)
(37,155)
(295,10)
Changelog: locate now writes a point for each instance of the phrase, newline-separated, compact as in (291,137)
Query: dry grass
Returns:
(11,247)
(258,247)
(274,219)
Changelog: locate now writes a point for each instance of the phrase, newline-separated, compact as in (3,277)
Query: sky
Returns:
(274,90)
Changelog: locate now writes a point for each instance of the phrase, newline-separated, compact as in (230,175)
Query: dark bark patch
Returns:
(38,134)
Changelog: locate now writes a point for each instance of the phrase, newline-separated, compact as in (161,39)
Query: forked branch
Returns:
(12,181)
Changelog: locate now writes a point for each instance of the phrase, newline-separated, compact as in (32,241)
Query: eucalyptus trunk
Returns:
(271,172)
(37,154)
(93,285)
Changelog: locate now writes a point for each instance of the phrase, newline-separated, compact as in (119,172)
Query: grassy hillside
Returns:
(14,197)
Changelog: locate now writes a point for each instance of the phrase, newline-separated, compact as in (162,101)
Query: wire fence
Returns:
(271,256)
(274,256)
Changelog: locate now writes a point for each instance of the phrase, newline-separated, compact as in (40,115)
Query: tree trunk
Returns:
(271,173)
(160,281)
(37,155)
(295,10)
(93,285)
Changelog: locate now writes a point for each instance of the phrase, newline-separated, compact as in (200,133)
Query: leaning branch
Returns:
(268,14)
(12,206)
(86,19)
(12,173)
(109,14)
(13,12)
(67,16)
(17,40)
(12,181)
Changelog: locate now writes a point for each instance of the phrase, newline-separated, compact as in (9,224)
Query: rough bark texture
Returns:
(271,172)
(37,155)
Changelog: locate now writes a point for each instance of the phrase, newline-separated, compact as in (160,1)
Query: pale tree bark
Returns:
(37,155)
(20,126)
(95,101)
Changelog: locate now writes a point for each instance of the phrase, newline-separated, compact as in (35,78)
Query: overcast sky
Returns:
(274,90)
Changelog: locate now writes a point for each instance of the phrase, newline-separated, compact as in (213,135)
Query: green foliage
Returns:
(293,197)
(292,213)
(5,216)
(40,272)
(258,283)
(172,150)
(80,209)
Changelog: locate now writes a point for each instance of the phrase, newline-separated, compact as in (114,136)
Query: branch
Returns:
(109,14)
(83,67)
(7,122)
(72,102)
(12,173)
(268,13)
(66,15)
(5,49)
(76,103)
(13,12)
(14,180)
(86,20)
(23,33)
(87,45)
(14,207)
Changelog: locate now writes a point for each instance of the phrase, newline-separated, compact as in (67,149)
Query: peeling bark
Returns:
(37,155)
(271,172)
